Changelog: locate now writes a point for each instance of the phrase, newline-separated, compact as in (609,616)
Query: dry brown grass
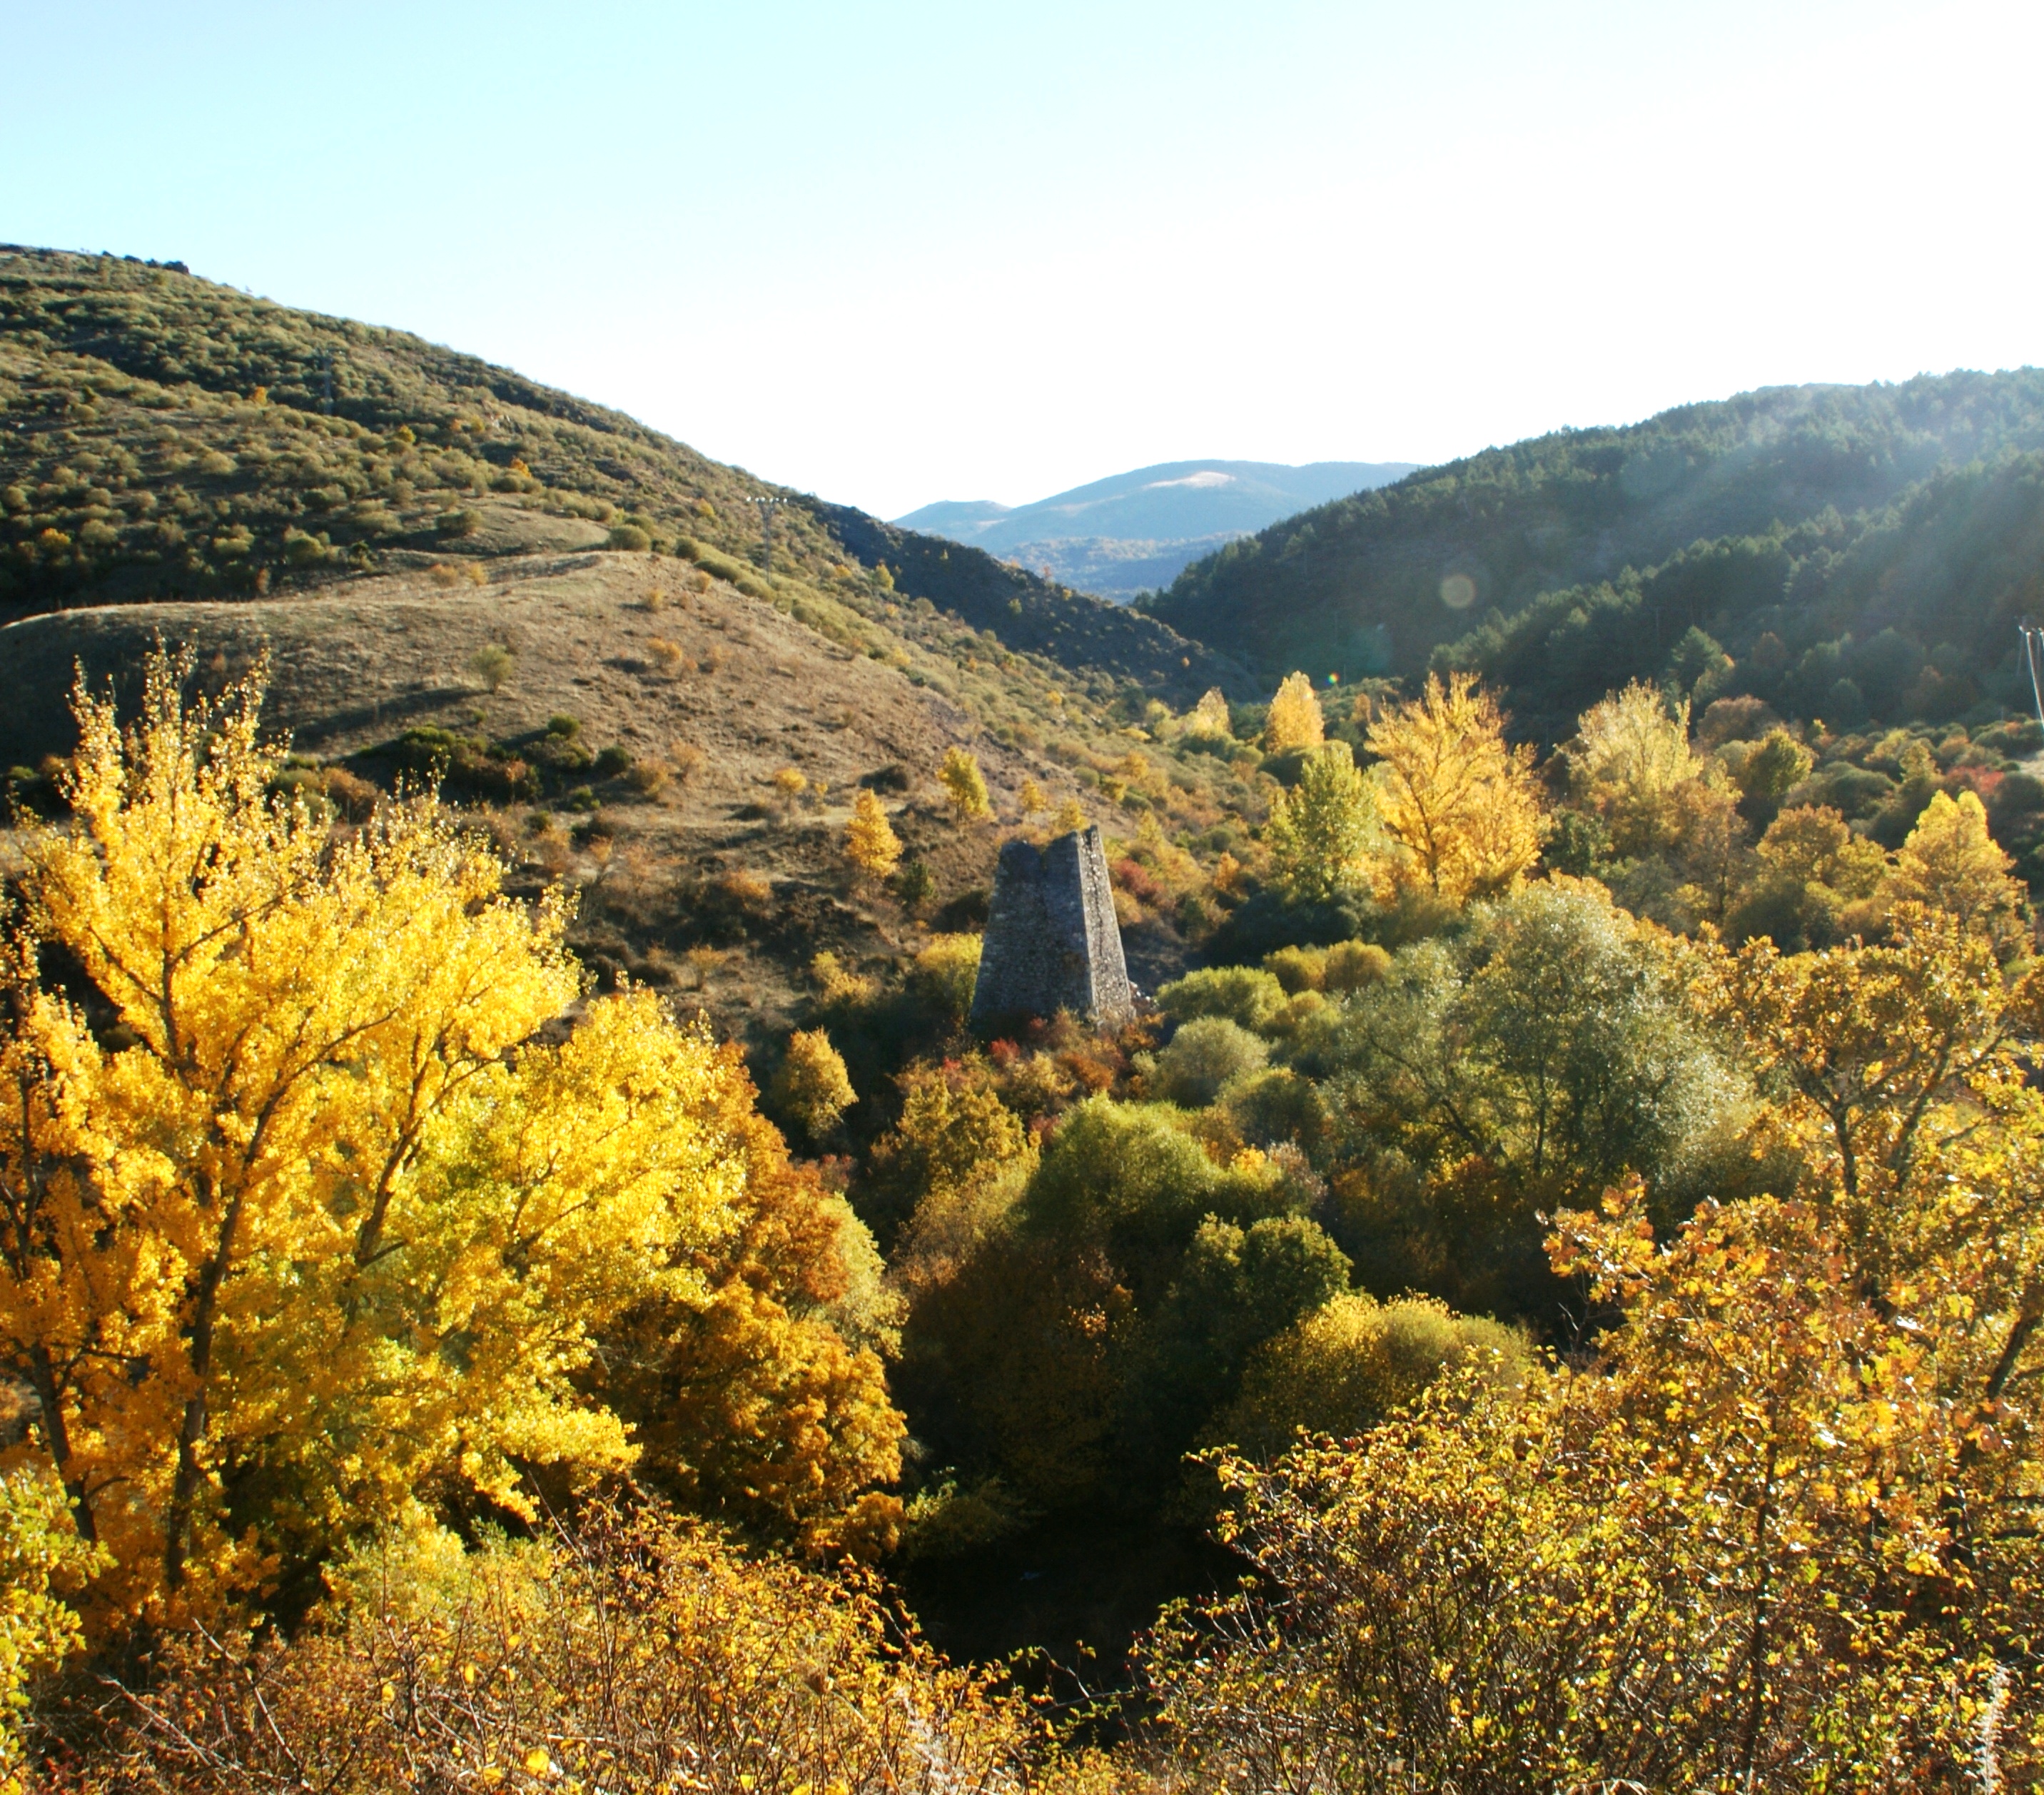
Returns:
(356,665)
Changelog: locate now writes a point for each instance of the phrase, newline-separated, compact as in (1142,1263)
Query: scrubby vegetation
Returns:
(168,436)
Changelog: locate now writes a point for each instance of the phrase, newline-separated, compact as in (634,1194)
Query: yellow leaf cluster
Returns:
(1461,805)
(1293,720)
(870,843)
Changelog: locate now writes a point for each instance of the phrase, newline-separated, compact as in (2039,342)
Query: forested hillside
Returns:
(1730,516)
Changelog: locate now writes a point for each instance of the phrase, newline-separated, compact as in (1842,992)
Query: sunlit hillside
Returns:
(1820,516)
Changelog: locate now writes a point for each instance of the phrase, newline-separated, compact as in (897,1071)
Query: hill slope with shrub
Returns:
(1374,584)
(165,436)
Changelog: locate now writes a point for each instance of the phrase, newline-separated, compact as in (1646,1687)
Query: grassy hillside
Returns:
(445,558)
(1374,583)
(162,437)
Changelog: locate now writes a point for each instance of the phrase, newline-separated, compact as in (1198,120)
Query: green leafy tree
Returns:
(1526,1065)
(1323,836)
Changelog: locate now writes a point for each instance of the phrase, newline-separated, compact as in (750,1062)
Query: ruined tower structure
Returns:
(1052,943)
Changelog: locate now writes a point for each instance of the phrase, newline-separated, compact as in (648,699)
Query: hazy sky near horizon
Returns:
(896,253)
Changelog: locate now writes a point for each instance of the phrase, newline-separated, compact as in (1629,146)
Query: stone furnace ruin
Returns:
(1052,940)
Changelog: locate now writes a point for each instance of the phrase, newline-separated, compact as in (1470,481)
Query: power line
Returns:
(2033,647)
(766,504)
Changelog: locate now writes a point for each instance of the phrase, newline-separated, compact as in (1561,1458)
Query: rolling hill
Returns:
(162,437)
(1818,517)
(1134,531)
(575,622)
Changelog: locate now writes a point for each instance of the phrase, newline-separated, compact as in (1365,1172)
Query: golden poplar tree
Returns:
(1070,819)
(870,843)
(812,1084)
(1462,804)
(1293,720)
(1951,864)
(964,786)
(1210,717)
(320,1225)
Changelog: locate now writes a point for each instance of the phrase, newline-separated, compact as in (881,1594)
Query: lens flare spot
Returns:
(1458,592)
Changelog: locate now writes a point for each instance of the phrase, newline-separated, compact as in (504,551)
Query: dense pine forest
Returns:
(516,1272)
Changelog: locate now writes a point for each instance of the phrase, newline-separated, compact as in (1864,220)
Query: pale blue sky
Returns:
(899,253)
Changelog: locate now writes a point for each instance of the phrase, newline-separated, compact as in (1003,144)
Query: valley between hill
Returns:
(499,1194)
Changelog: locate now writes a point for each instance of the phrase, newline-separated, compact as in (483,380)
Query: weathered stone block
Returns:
(1052,940)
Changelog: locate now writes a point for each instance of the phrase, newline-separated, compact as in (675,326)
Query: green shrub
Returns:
(493,664)
(613,761)
(1351,1362)
(629,537)
(1244,994)
(1204,1057)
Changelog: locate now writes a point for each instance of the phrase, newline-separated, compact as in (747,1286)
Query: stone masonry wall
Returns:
(1052,940)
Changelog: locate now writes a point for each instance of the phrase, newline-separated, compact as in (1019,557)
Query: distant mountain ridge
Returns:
(1132,532)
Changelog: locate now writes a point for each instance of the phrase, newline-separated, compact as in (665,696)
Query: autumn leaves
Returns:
(1449,812)
(329,1214)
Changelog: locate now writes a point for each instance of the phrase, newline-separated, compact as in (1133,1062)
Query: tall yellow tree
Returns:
(315,1225)
(870,843)
(964,786)
(1631,752)
(812,1084)
(1952,863)
(1293,720)
(1462,804)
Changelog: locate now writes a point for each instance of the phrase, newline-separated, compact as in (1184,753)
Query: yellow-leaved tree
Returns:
(1632,755)
(1293,720)
(1210,717)
(870,843)
(964,786)
(1461,803)
(812,1084)
(303,1222)
(1952,863)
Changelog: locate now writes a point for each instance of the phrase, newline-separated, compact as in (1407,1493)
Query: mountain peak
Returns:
(1134,531)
